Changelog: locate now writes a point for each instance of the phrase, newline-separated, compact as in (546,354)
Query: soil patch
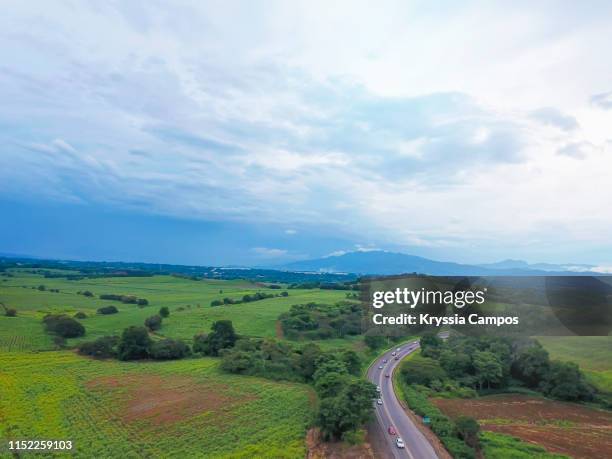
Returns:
(167,399)
(565,428)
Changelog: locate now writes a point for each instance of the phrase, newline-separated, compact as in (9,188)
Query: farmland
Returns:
(119,409)
(563,428)
(181,408)
(188,302)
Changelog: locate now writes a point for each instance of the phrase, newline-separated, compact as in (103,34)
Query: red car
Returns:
(392,430)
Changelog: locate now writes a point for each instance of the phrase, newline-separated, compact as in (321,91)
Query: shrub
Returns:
(216,303)
(222,336)
(169,349)
(164,311)
(80,315)
(10,312)
(101,348)
(153,323)
(87,293)
(108,310)
(142,302)
(63,326)
(134,344)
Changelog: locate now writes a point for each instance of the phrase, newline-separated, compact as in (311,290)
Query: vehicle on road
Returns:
(397,357)
(380,367)
(392,430)
(379,401)
(398,349)
(385,361)
(393,353)
(378,389)
(400,443)
(387,375)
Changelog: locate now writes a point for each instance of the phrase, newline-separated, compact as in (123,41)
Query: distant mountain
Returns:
(521,264)
(388,263)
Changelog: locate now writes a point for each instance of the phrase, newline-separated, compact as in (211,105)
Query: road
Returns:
(391,413)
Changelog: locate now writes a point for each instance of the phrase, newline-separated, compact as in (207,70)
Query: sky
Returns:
(259,133)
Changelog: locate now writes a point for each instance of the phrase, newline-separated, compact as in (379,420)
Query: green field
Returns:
(172,409)
(188,301)
(592,353)
(184,408)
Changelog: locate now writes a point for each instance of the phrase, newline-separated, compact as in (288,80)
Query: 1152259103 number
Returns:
(47,445)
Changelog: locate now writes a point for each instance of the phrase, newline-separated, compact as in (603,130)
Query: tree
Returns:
(352,362)
(164,311)
(153,323)
(374,341)
(532,365)
(222,336)
(80,315)
(134,344)
(431,345)
(169,349)
(564,381)
(488,368)
(108,310)
(142,302)
(102,348)
(468,429)
(216,303)
(308,358)
(63,326)
(422,371)
(456,364)
(347,410)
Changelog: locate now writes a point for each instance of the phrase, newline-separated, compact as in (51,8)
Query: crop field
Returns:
(565,428)
(592,353)
(155,409)
(188,301)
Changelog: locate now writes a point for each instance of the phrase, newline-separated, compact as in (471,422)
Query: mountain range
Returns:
(381,262)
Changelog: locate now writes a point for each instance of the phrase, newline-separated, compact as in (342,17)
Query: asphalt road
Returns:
(391,413)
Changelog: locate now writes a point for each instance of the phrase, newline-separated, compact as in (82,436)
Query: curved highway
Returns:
(391,413)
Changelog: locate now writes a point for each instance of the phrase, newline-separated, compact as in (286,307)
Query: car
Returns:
(378,389)
(379,401)
(398,349)
(385,361)
(380,367)
(393,353)
(400,443)
(397,357)
(392,430)
(387,375)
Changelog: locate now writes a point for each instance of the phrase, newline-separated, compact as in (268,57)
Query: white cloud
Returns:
(266,252)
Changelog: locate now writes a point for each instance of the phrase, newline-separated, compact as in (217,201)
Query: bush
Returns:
(142,302)
(134,344)
(153,323)
(63,326)
(108,310)
(11,312)
(80,315)
(164,311)
(216,303)
(87,293)
(169,349)
(101,348)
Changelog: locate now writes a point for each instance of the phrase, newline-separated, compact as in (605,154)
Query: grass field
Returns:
(592,353)
(188,301)
(172,409)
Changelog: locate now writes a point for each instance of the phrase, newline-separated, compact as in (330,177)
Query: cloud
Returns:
(265,252)
(290,231)
(602,100)
(554,117)
(576,150)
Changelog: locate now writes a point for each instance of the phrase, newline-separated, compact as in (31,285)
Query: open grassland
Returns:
(564,428)
(592,353)
(149,409)
(188,301)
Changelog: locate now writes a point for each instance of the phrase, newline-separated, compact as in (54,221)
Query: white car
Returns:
(384,360)
(393,353)
(400,443)
(398,349)
(378,389)
(379,401)
(380,367)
